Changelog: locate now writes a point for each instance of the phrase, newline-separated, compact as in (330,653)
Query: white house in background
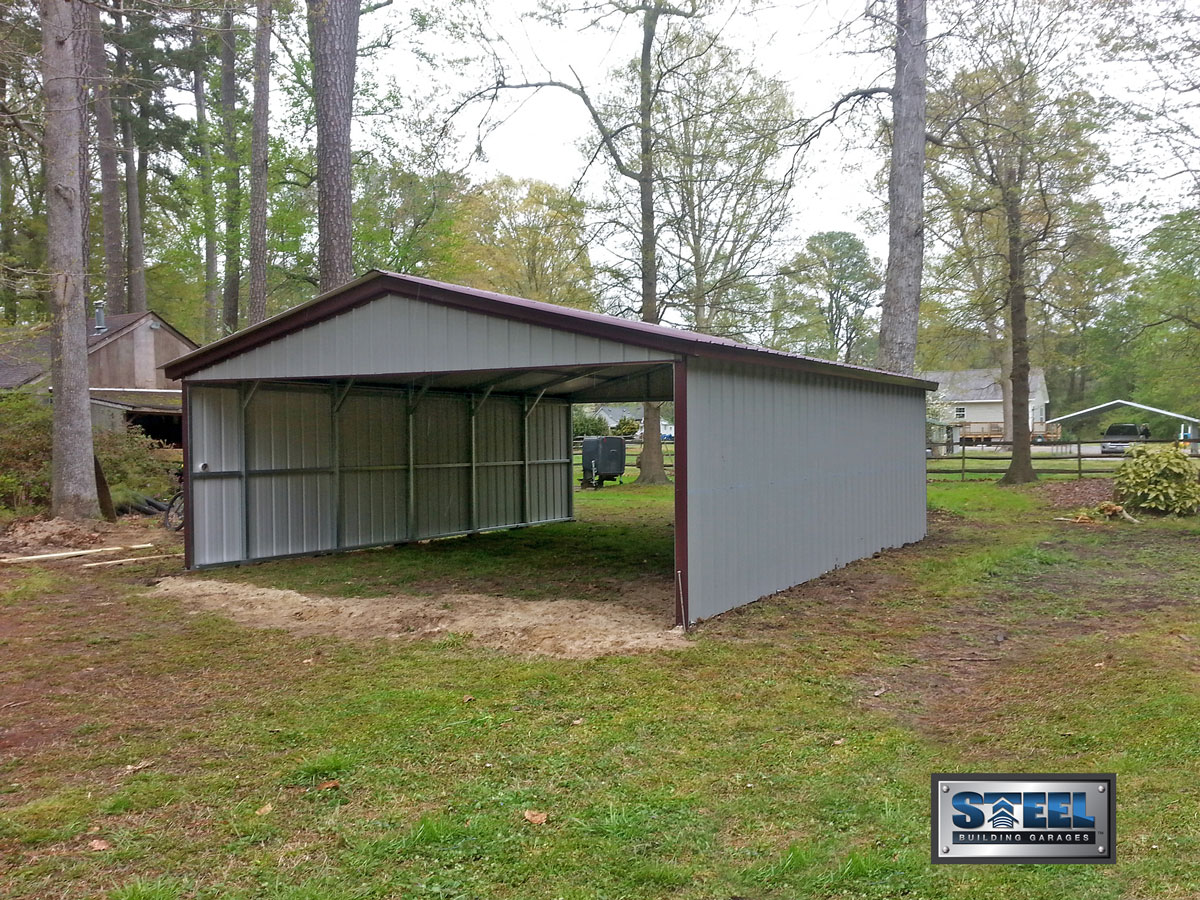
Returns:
(973,399)
(614,413)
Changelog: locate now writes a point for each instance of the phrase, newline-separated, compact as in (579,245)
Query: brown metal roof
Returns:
(656,337)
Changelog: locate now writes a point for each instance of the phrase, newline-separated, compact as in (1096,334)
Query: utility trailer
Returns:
(603,460)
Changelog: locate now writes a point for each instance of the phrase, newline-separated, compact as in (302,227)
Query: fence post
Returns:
(1079,457)
(963,447)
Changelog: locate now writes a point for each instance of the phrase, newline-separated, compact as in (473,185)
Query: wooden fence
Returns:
(1049,458)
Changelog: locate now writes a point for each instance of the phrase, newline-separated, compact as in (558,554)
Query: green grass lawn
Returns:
(167,754)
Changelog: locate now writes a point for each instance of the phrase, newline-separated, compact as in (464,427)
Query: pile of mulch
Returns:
(40,535)
(1077,493)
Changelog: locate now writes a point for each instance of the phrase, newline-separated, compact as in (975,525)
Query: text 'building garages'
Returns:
(397,409)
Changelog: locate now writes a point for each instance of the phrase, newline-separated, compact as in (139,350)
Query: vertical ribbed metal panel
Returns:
(792,475)
(442,447)
(217,516)
(550,462)
(373,446)
(216,419)
(216,519)
(318,480)
(499,466)
(289,445)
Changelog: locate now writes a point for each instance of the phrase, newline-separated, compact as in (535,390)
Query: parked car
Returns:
(1119,438)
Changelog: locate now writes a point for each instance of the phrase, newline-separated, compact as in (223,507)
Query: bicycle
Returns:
(174,517)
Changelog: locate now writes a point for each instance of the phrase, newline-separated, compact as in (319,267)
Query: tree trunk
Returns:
(232,175)
(1020,470)
(1006,390)
(8,199)
(64,66)
(208,200)
(652,469)
(135,242)
(906,195)
(258,163)
(333,29)
(110,178)
(84,49)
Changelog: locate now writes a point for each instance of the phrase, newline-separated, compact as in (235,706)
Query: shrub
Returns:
(25,444)
(24,450)
(587,425)
(1160,478)
(626,427)
(130,464)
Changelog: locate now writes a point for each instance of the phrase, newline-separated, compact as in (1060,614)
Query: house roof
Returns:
(25,349)
(1115,403)
(377,284)
(614,412)
(975,385)
(165,401)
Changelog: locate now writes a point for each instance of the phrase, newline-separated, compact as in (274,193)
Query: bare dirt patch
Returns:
(27,537)
(577,629)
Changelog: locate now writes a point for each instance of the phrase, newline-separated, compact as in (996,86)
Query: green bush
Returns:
(25,443)
(626,427)
(130,464)
(1158,477)
(24,450)
(587,425)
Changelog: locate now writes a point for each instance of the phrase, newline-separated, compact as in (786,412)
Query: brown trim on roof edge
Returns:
(378,284)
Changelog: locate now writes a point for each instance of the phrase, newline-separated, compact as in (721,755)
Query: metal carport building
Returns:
(397,409)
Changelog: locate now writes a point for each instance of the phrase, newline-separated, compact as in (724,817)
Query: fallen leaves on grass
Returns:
(328,785)
(264,809)
(99,845)
(1076,493)
(535,817)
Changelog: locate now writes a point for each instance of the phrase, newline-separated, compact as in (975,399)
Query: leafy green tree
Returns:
(586,424)
(728,161)
(1015,156)
(526,238)
(829,291)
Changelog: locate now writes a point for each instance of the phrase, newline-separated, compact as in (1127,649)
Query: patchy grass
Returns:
(212,761)
(574,559)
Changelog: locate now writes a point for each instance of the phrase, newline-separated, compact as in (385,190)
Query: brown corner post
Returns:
(682,616)
(188,554)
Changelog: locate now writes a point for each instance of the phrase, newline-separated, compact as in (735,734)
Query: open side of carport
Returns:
(399,409)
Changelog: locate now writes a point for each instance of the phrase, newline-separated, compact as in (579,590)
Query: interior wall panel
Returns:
(321,479)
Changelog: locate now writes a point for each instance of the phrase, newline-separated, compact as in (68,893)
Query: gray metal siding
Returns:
(550,462)
(329,468)
(399,335)
(373,448)
(217,513)
(792,475)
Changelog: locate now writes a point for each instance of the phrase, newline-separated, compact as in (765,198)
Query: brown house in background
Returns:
(126,354)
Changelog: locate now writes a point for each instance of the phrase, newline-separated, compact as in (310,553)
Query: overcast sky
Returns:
(541,134)
(801,42)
